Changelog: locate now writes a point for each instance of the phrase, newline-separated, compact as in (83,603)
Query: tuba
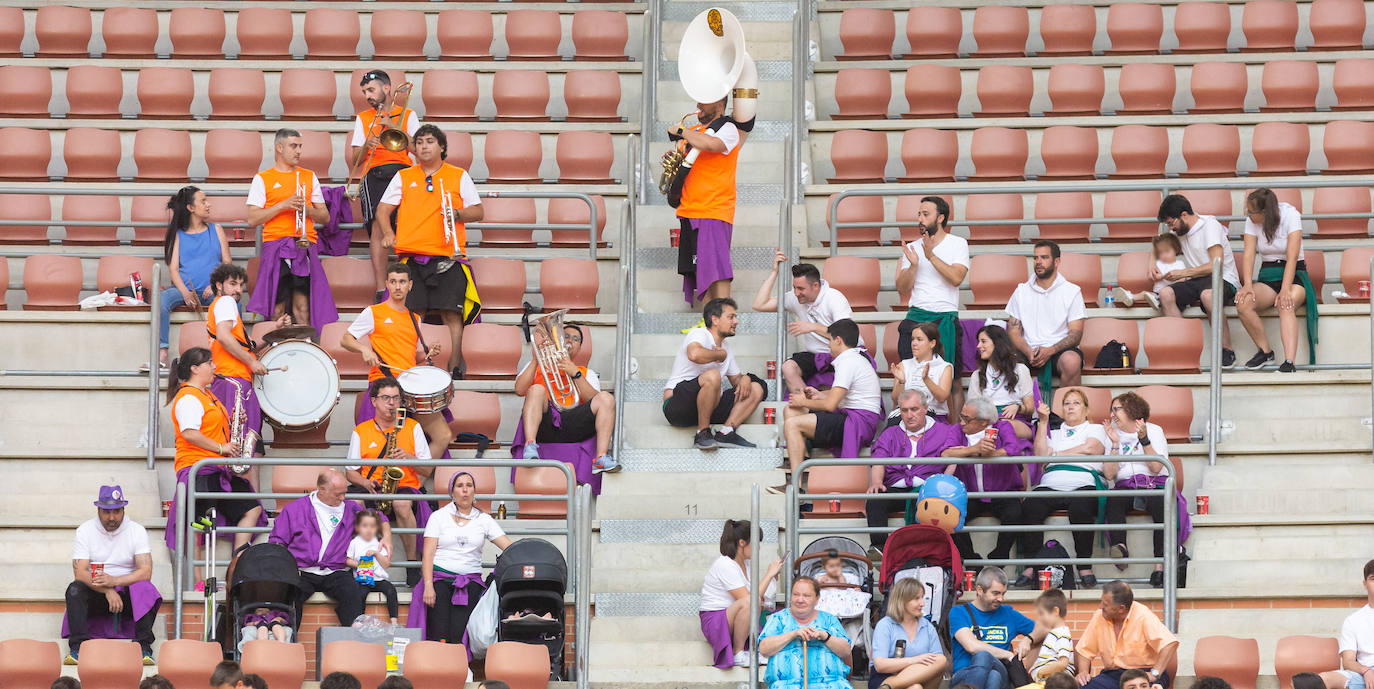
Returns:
(548,352)
(391,476)
(239,431)
(719,66)
(392,137)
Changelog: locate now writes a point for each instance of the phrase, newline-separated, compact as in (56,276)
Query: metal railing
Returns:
(653,64)
(755,559)
(1371,357)
(582,600)
(185,559)
(1214,373)
(1170,524)
(783,283)
(801,69)
(626,313)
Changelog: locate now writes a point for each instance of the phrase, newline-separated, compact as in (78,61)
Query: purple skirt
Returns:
(304,263)
(712,259)
(224,391)
(715,626)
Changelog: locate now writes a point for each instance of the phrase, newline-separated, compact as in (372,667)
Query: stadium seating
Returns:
(365,661)
(188,661)
(109,663)
(29,664)
(435,665)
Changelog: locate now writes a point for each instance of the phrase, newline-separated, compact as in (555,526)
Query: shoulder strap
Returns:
(415,321)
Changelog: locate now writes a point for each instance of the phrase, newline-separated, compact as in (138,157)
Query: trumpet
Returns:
(239,432)
(302,239)
(450,225)
(391,137)
(547,342)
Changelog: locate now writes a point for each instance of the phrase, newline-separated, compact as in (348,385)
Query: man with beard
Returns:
(694,396)
(1046,321)
(816,305)
(1203,239)
(384,164)
(113,565)
(931,269)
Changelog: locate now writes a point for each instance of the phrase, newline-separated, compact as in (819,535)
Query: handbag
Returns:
(483,622)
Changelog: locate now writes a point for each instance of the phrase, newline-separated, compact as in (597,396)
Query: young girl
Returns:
(926,370)
(1004,379)
(1167,252)
(371,574)
(192,247)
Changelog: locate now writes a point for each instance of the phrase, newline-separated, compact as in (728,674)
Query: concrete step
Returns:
(651,495)
(687,459)
(646,428)
(1315,575)
(1283,543)
(65,488)
(637,568)
(1238,487)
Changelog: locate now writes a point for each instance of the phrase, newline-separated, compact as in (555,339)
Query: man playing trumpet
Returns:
(591,413)
(383,164)
(286,200)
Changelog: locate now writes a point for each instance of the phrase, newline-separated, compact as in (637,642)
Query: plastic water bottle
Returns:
(1125,357)
(1109,301)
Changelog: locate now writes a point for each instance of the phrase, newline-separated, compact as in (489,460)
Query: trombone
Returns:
(391,138)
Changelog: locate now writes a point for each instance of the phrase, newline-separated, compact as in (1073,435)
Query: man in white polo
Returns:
(816,305)
(1046,320)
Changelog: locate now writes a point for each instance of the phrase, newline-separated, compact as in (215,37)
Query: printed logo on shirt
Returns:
(388,319)
(276,185)
(333,520)
(1068,433)
(414,184)
(372,445)
(994,636)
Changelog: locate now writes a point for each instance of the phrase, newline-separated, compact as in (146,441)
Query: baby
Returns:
(1166,251)
(265,623)
(834,571)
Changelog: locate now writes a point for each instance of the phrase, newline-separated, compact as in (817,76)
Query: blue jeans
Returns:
(983,671)
(171,298)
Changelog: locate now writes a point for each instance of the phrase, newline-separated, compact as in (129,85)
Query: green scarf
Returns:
(1098,482)
(1275,274)
(947,322)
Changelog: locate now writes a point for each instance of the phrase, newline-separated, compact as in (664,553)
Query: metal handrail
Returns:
(1371,351)
(1214,374)
(626,312)
(154,368)
(653,61)
(755,561)
(801,69)
(785,246)
(1169,524)
(185,537)
(582,604)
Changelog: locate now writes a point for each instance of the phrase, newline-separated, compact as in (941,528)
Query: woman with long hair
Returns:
(1274,231)
(1004,379)
(922,661)
(192,247)
(926,371)
(1130,434)
(724,607)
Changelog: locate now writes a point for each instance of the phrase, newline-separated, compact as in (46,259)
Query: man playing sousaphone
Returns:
(565,409)
(388,337)
(380,164)
(701,184)
(388,436)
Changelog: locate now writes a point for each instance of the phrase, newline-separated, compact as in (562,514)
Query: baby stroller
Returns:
(928,554)
(262,576)
(531,577)
(852,602)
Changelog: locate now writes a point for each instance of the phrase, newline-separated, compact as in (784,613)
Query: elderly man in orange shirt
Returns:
(1124,635)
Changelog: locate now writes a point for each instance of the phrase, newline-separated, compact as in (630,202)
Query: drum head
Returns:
(290,332)
(305,393)
(424,380)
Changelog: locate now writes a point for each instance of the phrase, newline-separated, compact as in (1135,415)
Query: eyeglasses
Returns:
(388,398)
(574,338)
(429,183)
(1116,407)
(966,419)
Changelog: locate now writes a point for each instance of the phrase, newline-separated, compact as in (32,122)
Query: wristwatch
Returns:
(827,638)
(577,375)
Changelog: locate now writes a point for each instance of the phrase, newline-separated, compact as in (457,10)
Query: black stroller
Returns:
(262,576)
(531,578)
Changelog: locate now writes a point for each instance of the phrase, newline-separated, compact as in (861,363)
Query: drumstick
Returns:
(277,368)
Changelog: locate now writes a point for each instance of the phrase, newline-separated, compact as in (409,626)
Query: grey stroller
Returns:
(852,602)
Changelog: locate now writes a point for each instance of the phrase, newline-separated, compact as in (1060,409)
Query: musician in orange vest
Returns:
(384,164)
(286,200)
(431,246)
(544,423)
(235,362)
(704,195)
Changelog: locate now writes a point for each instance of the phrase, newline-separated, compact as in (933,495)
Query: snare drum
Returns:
(301,397)
(425,389)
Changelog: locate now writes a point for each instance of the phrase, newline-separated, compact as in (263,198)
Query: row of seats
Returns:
(96,91)
(75,210)
(235,155)
(1145,88)
(53,282)
(267,32)
(1137,151)
(1079,204)
(1071,29)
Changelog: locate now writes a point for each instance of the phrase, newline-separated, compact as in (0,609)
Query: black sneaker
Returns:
(1023,583)
(460,371)
(734,438)
(705,441)
(1258,361)
(1157,579)
(1228,359)
(1087,581)
(1287,367)
(412,577)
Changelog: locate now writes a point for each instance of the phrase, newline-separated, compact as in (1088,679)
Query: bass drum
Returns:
(301,397)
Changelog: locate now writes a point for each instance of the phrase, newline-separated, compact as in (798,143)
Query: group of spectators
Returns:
(230,675)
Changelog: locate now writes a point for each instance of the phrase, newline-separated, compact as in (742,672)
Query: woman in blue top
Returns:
(802,629)
(921,662)
(192,247)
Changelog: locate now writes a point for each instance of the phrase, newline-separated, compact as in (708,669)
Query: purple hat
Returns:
(111,498)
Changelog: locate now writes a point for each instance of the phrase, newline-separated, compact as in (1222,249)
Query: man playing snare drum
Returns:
(388,337)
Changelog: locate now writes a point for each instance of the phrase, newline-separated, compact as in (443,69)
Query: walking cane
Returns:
(805,672)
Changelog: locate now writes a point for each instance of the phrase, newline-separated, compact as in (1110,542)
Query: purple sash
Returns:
(825,373)
(896,444)
(417,617)
(579,455)
(183,478)
(1141,481)
(143,597)
(859,426)
(334,240)
(266,619)
(712,258)
(304,262)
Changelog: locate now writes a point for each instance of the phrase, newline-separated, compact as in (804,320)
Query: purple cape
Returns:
(303,262)
(296,528)
(712,258)
(417,617)
(825,373)
(997,476)
(183,478)
(859,426)
(894,443)
(143,596)
(334,240)
(224,391)
(579,455)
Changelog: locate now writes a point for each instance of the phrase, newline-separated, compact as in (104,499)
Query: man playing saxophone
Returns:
(565,408)
(381,438)
(384,163)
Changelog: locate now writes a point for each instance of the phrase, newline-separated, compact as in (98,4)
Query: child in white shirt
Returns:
(1167,252)
(370,558)
(1056,653)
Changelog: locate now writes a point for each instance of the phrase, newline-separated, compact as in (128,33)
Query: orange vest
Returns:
(393,338)
(539,378)
(225,363)
(214,424)
(419,224)
(371,439)
(709,191)
(280,187)
(382,156)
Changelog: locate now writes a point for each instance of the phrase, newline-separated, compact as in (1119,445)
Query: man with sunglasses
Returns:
(433,249)
(579,435)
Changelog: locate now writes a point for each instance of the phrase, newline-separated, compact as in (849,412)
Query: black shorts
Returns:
(232,510)
(1053,363)
(1189,292)
(435,291)
(681,408)
(372,187)
(1277,285)
(288,282)
(806,362)
(829,429)
(575,425)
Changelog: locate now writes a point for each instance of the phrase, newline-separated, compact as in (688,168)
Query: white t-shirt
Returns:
(724,576)
(728,134)
(856,375)
(189,412)
(460,547)
(912,369)
(1130,446)
(1205,233)
(358,548)
(1290,221)
(355,447)
(931,291)
(328,519)
(115,550)
(1058,644)
(1045,314)
(358,139)
(1357,634)
(257,190)
(995,388)
(1066,437)
(467,190)
(830,306)
(226,309)
(686,369)
(1165,269)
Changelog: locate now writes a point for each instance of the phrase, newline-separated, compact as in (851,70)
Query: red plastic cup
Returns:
(1364,289)
(834,505)
(968,580)
(991,433)
(97,568)
(674,236)
(769,415)
(1045,579)
(166,508)
(772,367)
(1202,504)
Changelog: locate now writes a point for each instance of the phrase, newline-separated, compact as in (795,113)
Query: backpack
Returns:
(1061,576)
(1114,355)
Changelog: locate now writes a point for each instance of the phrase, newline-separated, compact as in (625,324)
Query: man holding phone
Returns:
(931,269)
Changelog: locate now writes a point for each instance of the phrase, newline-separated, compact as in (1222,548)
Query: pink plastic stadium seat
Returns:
(114,271)
(575,211)
(435,665)
(584,157)
(859,155)
(90,208)
(62,31)
(1173,344)
(110,664)
(165,93)
(1341,200)
(4,287)
(1289,86)
(264,33)
(1084,270)
(350,280)
(236,94)
(521,95)
(836,479)
(162,154)
(27,154)
(1070,204)
(1337,24)
(508,211)
(11,31)
(1347,144)
(1076,89)
(867,33)
(1069,152)
(1202,27)
(363,660)
(1134,28)
(1131,204)
(512,157)
(856,277)
(188,661)
(317,152)
(25,91)
(1280,148)
(1098,399)
(993,277)
(1097,332)
(1004,91)
(592,95)
(52,282)
(233,154)
(1139,151)
(999,153)
(1235,660)
(1068,29)
(931,91)
(450,95)
(1211,150)
(929,155)
(94,91)
(332,34)
(862,94)
(933,31)
(1001,31)
(569,283)
(475,412)
(1270,25)
(1172,408)
(1218,87)
(398,34)
(600,35)
(994,207)
(308,94)
(1353,82)
(1146,89)
(868,209)
(491,351)
(465,35)
(28,664)
(533,34)
(460,149)
(1353,269)
(277,663)
(196,32)
(151,209)
(1294,654)
(129,32)
(36,207)
(502,283)
(1211,202)
(1133,269)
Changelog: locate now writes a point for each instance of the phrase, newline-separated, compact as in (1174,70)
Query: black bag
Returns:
(1061,576)
(1182,581)
(1017,674)
(1114,355)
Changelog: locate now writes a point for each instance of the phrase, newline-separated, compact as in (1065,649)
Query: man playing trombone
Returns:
(564,405)
(433,201)
(380,164)
(286,200)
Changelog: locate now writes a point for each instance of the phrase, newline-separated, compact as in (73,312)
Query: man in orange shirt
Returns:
(705,202)
(431,247)
(384,164)
(290,274)
(1124,635)
(232,351)
(592,418)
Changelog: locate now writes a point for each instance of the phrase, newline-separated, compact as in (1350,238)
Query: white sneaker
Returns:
(1153,299)
(742,659)
(1123,297)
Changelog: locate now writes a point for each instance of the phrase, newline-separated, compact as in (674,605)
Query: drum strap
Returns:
(248,345)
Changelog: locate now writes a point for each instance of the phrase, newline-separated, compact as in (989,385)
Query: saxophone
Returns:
(391,476)
(239,432)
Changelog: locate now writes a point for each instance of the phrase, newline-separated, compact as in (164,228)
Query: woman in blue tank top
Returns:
(192,248)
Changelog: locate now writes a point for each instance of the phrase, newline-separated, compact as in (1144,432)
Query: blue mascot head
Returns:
(942,503)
